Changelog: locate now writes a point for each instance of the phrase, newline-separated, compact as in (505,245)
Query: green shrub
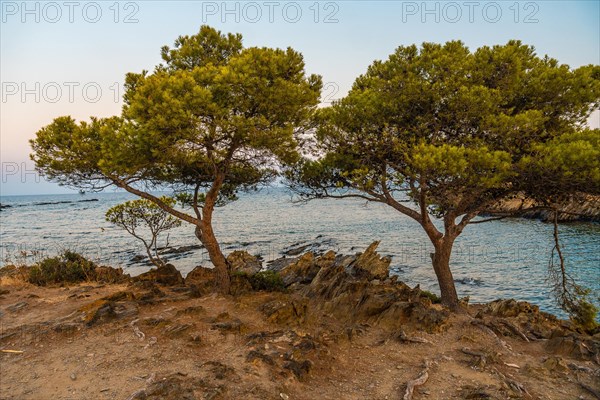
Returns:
(435,299)
(68,267)
(270,281)
(583,313)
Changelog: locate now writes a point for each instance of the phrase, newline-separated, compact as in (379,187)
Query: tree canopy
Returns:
(455,131)
(211,120)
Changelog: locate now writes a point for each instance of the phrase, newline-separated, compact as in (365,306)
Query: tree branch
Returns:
(181,215)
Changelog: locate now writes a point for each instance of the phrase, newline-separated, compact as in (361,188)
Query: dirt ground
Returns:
(60,343)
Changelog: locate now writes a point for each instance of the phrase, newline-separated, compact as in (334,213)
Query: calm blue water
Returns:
(500,259)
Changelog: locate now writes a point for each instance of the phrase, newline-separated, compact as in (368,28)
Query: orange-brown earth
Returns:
(341,330)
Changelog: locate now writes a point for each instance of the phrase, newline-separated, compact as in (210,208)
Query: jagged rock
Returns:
(579,207)
(256,355)
(66,327)
(508,308)
(300,369)
(303,270)
(242,261)
(296,249)
(97,311)
(150,296)
(416,314)
(326,260)
(356,290)
(574,346)
(555,364)
(526,316)
(110,275)
(280,263)
(165,275)
(104,310)
(370,265)
(285,312)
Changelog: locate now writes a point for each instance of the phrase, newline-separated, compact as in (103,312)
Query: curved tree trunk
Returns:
(203,231)
(208,239)
(441,266)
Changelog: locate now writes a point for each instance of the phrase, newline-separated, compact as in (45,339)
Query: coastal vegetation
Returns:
(213,119)
(440,133)
(310,326)
(455,132)
(67,267)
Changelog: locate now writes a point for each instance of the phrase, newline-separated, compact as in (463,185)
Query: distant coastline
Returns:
(580,209)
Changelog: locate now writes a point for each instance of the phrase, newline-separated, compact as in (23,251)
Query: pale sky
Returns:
(70,58)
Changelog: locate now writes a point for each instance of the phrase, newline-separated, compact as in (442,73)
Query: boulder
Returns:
(244,262)
(166,275)
(110,275)
(200,276)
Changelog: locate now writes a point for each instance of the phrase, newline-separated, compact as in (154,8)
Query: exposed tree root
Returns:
(482,357)
(512,384)
(485,327)
(591,390)
(514,329)
(419,381)
(411,339)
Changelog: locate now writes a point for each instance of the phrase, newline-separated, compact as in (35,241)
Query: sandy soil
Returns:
(216,347)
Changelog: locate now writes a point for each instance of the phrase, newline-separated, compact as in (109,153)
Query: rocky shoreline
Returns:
(324,326)
(583,208)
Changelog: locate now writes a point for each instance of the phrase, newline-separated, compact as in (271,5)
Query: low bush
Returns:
(583,313)
(68,267)
(435,299)
(269,281)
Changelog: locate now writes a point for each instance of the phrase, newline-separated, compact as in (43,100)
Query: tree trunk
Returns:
(441,266)
(208,239)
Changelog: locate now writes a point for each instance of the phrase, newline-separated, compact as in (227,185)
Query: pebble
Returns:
(73,376)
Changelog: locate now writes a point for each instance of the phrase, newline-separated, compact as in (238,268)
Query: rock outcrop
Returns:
(579,208)
(165,275)
(244,262)
(355,289)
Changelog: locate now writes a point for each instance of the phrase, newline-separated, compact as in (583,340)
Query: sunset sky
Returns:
(59,59)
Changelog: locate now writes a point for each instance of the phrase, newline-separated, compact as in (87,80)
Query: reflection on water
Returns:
(500,259)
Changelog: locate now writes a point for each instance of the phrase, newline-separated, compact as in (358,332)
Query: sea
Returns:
(501,259)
